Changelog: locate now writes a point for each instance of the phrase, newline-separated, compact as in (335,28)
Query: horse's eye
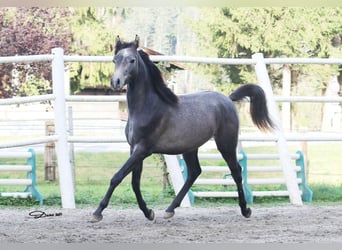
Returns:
(131,59)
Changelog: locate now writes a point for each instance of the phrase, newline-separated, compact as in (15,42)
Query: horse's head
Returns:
(125,60)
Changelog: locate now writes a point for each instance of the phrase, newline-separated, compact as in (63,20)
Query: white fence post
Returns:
(174,168)
(284,154)
(64,168)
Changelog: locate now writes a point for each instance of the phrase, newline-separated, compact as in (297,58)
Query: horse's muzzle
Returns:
(117,83)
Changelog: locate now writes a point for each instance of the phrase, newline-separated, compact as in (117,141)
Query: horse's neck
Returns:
(140,96)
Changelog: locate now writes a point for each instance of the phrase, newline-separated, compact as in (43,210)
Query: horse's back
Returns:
(197,118)
(209,102)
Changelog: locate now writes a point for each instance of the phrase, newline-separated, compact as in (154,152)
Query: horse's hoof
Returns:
(168,215)
(152,215)
(96,218)
(247,213)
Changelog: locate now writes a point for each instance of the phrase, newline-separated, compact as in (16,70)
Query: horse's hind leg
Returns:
(194,170)
(136,176)
(228,152)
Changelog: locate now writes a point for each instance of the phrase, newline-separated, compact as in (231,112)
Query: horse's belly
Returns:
(177,143)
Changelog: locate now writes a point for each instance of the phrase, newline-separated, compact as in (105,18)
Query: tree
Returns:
(156,27)
(94,31)
(276,32)
(30,31)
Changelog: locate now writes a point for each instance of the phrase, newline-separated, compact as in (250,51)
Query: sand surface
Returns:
(289,224)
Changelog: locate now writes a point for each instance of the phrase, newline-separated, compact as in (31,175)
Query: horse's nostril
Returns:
(115,82)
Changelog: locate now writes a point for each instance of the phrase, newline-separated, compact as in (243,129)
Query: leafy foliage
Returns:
(30,31)
(226,32)
(93,32)
(35,86)
(276,32)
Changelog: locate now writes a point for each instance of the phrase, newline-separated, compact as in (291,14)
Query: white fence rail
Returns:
(61,137)
(25,59)
(27,99)
(212,60)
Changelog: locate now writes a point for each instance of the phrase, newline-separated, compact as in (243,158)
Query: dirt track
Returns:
(221,225)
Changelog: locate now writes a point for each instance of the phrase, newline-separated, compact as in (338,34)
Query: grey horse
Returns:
(161,122)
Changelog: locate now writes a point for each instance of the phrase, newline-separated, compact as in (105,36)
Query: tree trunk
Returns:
(50,154)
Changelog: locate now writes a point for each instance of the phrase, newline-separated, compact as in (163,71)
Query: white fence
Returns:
(59,98)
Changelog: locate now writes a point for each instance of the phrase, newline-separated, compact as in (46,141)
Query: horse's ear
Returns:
(117,41)
(136,41)
(117,44)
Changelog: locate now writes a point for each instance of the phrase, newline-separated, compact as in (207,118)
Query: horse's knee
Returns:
(116,180)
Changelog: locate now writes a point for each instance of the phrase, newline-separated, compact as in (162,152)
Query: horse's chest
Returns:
(130,132)
(139,128)
(134,131)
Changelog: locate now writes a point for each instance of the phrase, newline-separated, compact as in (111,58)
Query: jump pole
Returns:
(63,160)
(175,171)
(284,154)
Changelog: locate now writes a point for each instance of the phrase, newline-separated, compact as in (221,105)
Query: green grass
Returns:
(94,171)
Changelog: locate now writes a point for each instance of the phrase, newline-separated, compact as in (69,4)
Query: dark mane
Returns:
(157,80)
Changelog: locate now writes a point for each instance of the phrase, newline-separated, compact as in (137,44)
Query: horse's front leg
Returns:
(134,160)
(136,176)
(194,170)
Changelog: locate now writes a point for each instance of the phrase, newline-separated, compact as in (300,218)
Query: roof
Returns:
(172,65)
